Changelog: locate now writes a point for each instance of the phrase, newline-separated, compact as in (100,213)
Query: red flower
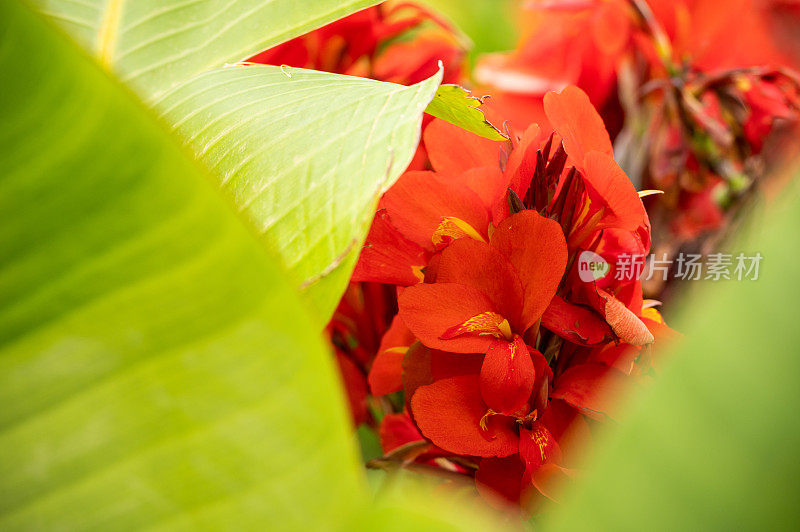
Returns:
(367,44)
(501,350)
(486,296)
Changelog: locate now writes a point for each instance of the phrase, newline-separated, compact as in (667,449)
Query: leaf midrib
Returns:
(108,31)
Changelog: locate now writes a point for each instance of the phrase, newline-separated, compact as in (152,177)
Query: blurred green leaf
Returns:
(155,368)
(304,155)
(712,445)
(454,104)
(488,23)
(155,44)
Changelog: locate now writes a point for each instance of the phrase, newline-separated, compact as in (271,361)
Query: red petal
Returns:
(537,447)
(386,373)
(430,310)
(453,150)
(575,119)
(422,366)
(551,479)
(500,479)
(449,413)
(419,202)
(356,388)
(608,186)
(575,323)
(544,376)
(593,388)
(397,430)
(487,182)
(507,376)
(483,267)
(521,166)
(536,247)
(389,257)
(570,429)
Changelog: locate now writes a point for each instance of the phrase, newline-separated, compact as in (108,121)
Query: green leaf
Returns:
(712,445)
(488,23)
(155,44)
(454,104)
(304,155)
(156,370)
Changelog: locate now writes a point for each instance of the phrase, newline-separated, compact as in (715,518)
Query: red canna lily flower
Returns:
(504,354)
(369,43)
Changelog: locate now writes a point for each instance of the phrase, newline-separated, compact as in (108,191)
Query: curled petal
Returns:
(575,323)
(625,324)
(551,480)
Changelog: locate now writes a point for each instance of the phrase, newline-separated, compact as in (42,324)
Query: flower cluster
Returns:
(500,348)
(702,100)
(401,43)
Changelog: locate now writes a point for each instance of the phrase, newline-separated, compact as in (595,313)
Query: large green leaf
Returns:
(304,155)
(156,44)
(155,368)
(713,444)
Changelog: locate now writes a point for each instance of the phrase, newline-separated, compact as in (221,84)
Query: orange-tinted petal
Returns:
(536,247)
(625,324)
(487,182)
(453,150)
(575,119)
(449,413)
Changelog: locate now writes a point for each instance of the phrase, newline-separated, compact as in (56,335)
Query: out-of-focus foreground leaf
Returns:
(305,155)
(454,104)
(713,444)
(155,44)
(155,369)
(488,23)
